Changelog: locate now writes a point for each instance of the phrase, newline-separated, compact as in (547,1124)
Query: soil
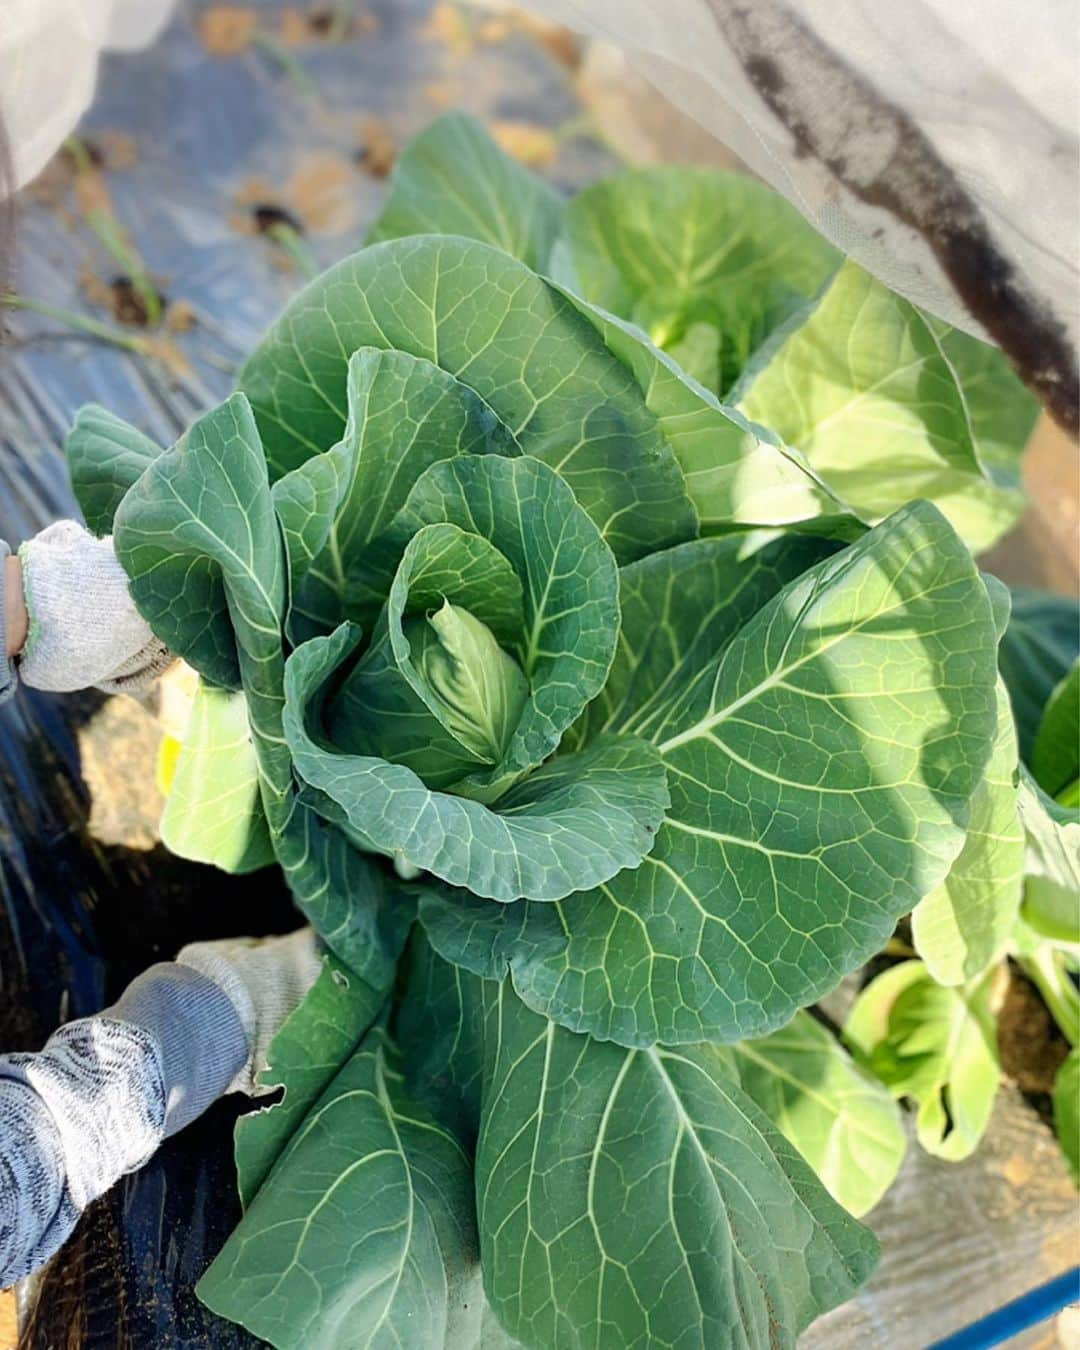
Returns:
(116,745)
(8,1324)
(441,94)
(118,151)
(1042,551)
(321,23)
(315,197)
(180,317)
(304,28)
(378,150)
(120,297)
(67,171)
(458,29)
(266,216)
(532,145)
(319,189)
(227,30)
(128,306)
(559,42)
(449,26)
(92,192)
(1031,1046)
(637,120)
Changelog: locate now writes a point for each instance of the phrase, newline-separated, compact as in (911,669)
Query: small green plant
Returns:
(587,621)
(927,1028)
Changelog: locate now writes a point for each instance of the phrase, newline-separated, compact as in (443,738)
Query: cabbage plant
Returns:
(588,627)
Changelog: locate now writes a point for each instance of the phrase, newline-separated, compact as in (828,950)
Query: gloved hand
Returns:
(84,629)
(106,1090)
(265,980)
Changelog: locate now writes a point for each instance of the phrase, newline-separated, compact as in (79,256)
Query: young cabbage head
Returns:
(446,703)
(478,690)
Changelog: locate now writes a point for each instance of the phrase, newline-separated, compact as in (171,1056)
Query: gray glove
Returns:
(265,979)
(84,628)
(105,1091)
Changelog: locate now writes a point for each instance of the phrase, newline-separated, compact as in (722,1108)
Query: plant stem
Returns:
(108,230)
(76,148)
(1045,969)
(294,71)
(288,239)
(80,322)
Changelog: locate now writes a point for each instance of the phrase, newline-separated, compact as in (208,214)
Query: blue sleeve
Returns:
(100,1097)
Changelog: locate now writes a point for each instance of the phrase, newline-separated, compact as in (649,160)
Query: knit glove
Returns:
(265,979)
(84,627)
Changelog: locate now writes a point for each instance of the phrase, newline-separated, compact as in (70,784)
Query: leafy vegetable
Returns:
(707,263)
(214,811)
(107,456)
(515,359)
(841,1120)
(604,705)
(199,539)
(570,1251)
(732,283)
(1039,648)
(1052,888)
(810,805)
(1002,411)
(747,302)
(454,179)
(963,926)
(738,474)
(364,1233)
(1055,756)
(479,688)
(880,412)
(603,1175)
(934,1045)
(1067,1111)
(306,1054)
(1021,843)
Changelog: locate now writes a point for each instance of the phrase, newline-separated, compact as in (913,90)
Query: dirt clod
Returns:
(317,198)
(377,152)
(180,317)
(118,150)
(322,24)
(532,145)
(227,30)
(442,93)
(561,43)
(128,306)
(267,216)
(448,25)
(79,167)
